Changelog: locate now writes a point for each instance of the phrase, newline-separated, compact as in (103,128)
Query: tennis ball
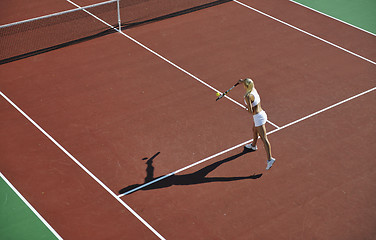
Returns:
(218,94)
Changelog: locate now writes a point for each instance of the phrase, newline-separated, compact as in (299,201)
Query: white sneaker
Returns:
(270,163)
(249,146)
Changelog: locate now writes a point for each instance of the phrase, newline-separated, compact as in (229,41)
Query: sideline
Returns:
(305,32)
(82,167)
(337,19)
(30,207)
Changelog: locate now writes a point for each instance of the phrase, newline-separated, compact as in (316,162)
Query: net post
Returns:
(118,9)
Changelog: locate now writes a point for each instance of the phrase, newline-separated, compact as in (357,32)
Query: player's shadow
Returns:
(197,177)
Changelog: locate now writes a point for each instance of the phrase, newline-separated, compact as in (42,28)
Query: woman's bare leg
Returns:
(262,131)
(255,136)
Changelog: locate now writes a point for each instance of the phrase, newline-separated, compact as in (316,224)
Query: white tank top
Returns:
(257,98)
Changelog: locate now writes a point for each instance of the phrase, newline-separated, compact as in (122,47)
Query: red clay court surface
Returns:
(111,103)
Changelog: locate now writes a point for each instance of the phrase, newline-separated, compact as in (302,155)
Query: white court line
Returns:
(324,109)
(54,14)
(31,207)
(82,166)
(188,73)
(204,83)
(184,168)
(168,61)
(305,32)
(242,144)
(94,177)
(339,20)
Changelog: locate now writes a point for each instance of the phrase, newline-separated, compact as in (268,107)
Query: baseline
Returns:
(246,142)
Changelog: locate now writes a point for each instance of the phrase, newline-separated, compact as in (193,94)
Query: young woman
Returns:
(252,100)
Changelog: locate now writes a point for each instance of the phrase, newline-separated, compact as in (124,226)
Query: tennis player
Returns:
(252,100)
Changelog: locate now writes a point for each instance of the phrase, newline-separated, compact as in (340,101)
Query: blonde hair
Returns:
(249,84)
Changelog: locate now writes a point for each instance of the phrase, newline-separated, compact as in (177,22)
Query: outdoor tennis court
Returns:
(111,134)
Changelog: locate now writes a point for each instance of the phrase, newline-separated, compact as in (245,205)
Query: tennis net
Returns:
(34,36)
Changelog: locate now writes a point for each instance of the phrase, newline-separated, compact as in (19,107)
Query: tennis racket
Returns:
(223,94)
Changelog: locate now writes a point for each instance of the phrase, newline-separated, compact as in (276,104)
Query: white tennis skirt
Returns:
(260,118)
